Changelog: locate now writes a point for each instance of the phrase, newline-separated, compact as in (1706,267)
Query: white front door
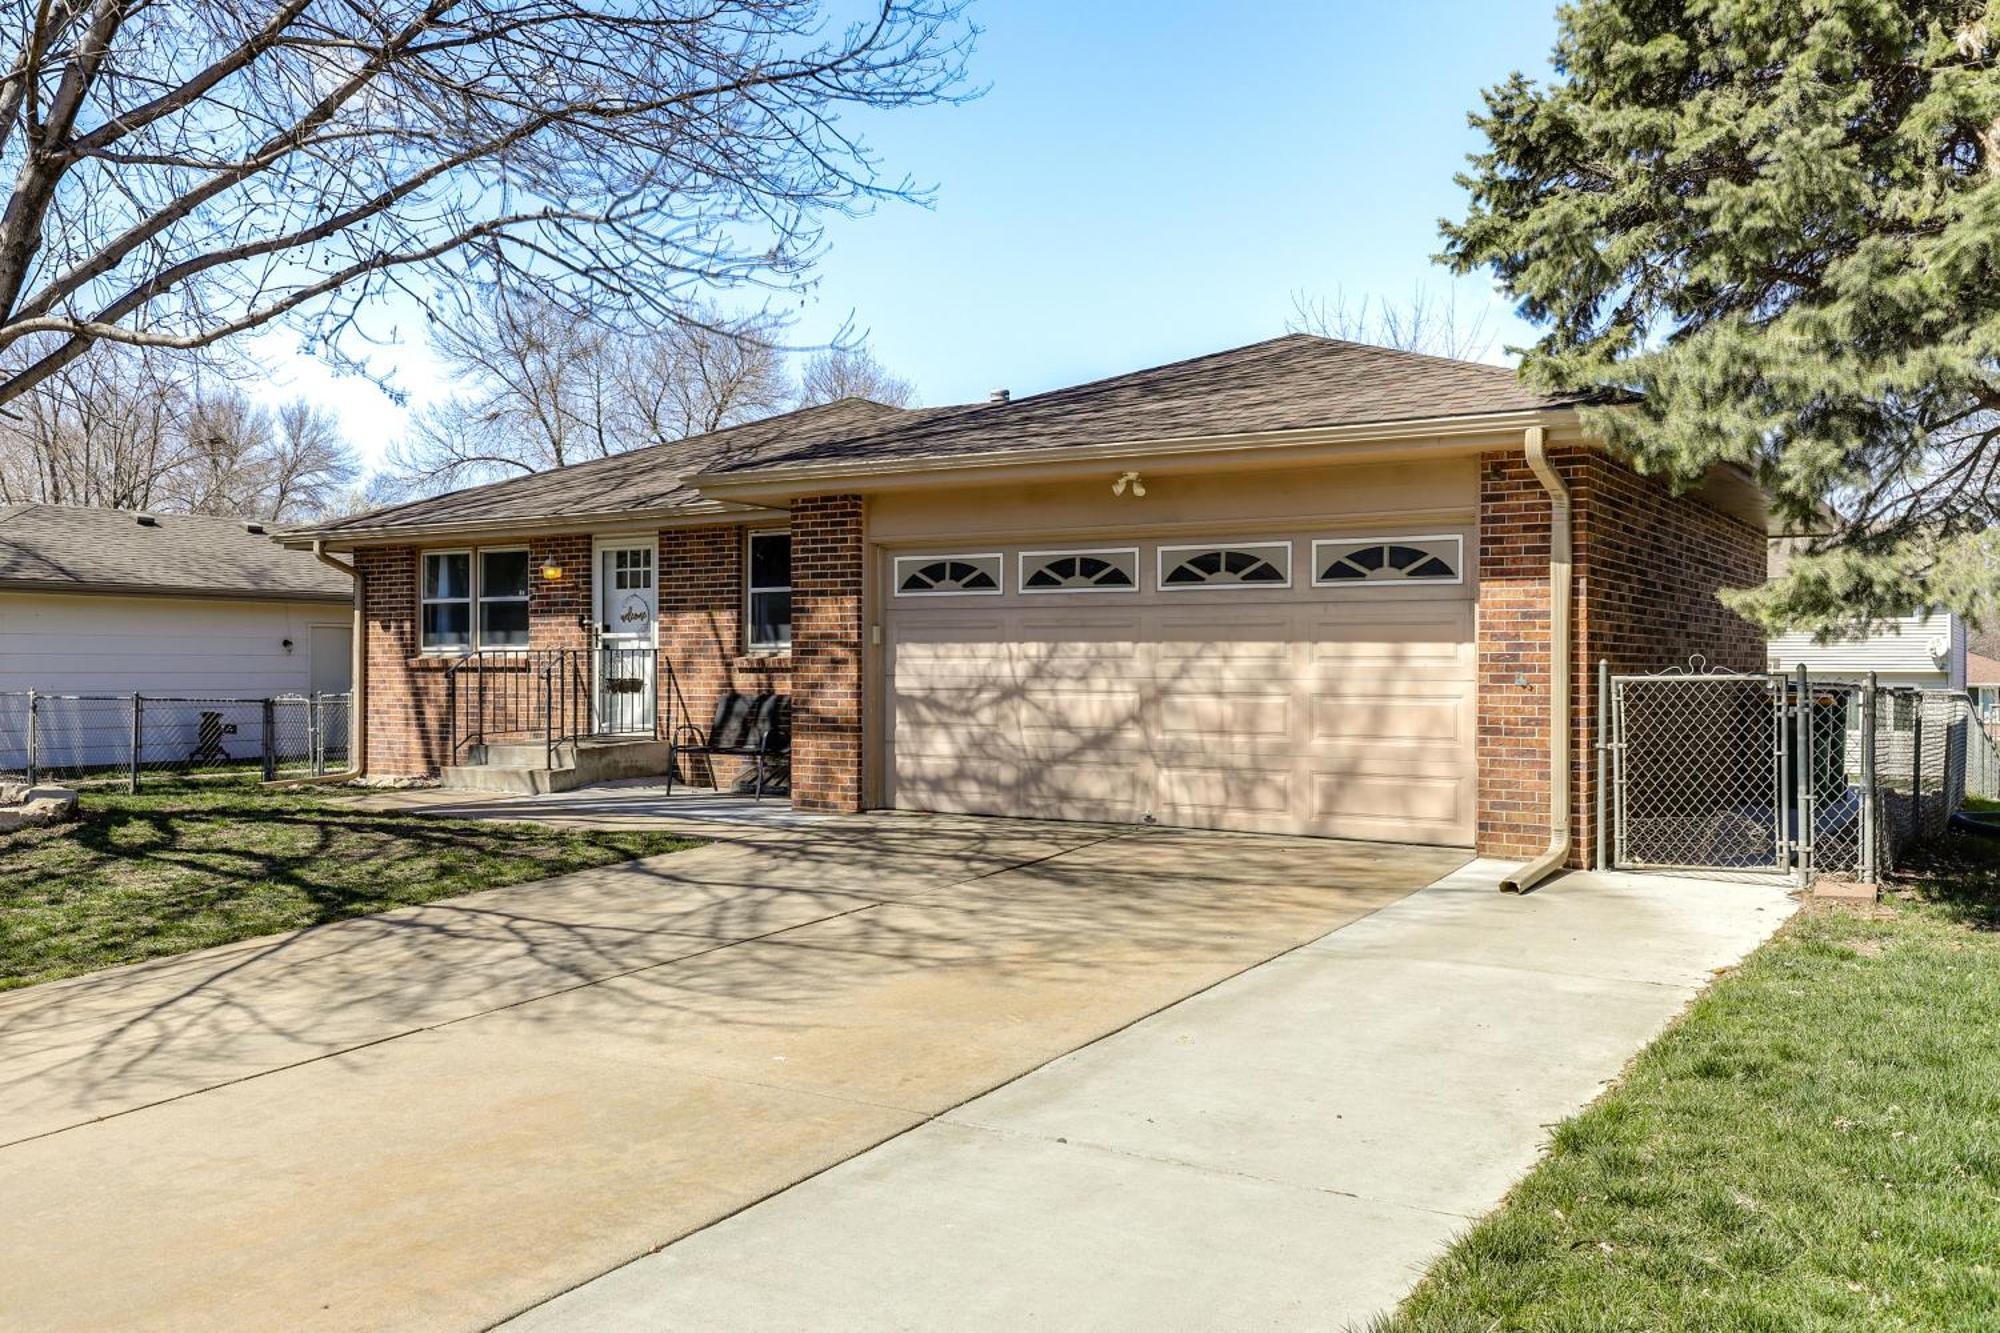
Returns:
(628,602)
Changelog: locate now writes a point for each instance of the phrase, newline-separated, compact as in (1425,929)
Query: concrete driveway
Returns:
(1289,1149)
(442,1116)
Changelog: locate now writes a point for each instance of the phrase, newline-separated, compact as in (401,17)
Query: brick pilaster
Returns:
(1647,565)
(828,576)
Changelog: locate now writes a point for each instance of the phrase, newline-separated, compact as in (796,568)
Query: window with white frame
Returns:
(1351,561)
(1080,571)
(1248,564)
(768,591)
(445,601)
(473,599)
(947,575)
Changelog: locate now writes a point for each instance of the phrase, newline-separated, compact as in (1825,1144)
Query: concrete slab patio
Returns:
(1289,1149)
(440,1116)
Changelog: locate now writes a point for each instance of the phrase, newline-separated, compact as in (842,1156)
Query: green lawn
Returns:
(1815,1145)
(189,865)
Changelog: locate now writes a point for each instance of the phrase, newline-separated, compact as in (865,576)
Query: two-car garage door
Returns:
(1300,685)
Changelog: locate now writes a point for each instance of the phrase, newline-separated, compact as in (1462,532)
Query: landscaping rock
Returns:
(32,807)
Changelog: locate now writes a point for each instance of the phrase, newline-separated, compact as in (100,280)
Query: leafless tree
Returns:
(310,467)
(538,387)
(185,170)
(135,428)
(106,430)
(1423,323)
(851,372)
(700,375)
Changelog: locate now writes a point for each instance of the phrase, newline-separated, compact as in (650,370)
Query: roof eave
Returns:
(1358,442)
(492,529)
(343,598)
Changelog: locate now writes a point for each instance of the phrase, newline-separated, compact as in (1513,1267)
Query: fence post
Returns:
(270,711)
(315,740)
(138,737)
(1871,799)
(1917,767)
(34,737)
(1802,773)
(1603,754)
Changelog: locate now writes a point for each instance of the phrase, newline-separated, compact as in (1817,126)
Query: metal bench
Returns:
(757,727)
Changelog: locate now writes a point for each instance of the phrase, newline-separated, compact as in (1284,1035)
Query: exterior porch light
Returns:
(552,573)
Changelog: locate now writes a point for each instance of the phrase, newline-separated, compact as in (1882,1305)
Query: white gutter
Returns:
(1560,566)
(357,673)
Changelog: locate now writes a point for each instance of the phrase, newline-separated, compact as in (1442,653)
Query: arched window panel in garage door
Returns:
(1226,565)
(1373,562)
(948,575)
(1080,571)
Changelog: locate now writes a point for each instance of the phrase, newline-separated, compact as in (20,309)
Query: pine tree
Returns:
(1771,230)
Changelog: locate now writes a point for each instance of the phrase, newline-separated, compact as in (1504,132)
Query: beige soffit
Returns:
(1365,442)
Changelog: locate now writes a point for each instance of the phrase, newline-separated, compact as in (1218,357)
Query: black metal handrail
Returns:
(528,694)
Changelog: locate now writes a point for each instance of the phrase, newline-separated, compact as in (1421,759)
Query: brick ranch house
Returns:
(1302,586)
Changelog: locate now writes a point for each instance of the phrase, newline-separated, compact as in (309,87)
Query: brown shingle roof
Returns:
(1291,383)
(67,547)
(647,479)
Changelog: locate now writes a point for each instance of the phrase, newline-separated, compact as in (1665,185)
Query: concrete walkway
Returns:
(440,1116)
(1287,1150)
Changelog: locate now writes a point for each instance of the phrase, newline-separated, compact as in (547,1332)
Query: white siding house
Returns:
(99,601)
(1926,650)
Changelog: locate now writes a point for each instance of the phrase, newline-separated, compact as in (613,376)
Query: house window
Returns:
(1342,561)
(1253,564)
(503,599)
(1080,571)
(769,589)
(947,575)
(445,601)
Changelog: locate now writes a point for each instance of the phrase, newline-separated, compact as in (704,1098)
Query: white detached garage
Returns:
(105,601)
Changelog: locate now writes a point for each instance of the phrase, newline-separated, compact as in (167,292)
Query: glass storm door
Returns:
(628,602)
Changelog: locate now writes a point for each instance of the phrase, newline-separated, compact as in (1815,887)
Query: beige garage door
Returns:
(1272,689)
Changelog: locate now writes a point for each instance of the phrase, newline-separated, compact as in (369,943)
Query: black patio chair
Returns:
(754,727)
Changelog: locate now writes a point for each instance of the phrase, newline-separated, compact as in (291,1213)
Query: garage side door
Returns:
(1297,709)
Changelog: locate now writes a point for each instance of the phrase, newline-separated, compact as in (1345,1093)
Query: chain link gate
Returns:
(1698,762)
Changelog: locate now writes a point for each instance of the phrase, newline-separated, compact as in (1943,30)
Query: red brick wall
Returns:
(1647,566)
(701,631)
(408,714)
(405,719)
(829,572)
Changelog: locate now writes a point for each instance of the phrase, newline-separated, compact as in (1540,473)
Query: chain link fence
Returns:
(1782,772)
(82,738)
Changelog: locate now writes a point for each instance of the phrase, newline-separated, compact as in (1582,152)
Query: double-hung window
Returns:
(472,599)
(445,597)
(503,599)
(768,584)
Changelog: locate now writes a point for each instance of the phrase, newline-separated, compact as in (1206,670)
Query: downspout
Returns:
(1560,566)
(357,672)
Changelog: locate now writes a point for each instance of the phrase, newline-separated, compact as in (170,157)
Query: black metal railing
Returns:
(498,696)
(628,692)
(552,695)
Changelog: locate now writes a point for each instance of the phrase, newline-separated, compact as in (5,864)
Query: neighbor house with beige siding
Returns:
(1304,586)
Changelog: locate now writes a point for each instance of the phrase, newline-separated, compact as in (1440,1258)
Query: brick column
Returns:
(1512,650)
(405,707)
(828,575)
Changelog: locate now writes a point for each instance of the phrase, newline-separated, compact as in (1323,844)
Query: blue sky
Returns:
(1141,182)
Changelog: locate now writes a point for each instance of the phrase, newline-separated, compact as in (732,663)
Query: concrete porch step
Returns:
(524,766)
